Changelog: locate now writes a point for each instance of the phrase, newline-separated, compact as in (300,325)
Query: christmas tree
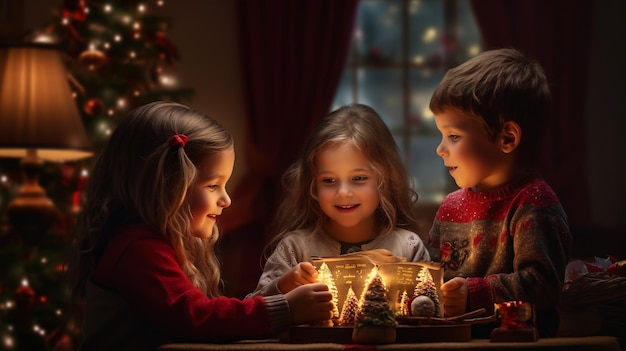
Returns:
(326,276)
(426,287)
(374,322)
(374,309)
(350,306)
(118,57)
(404,304)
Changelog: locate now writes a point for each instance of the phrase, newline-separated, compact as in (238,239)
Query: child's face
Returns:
(208,196)
(347,189)
(473,159)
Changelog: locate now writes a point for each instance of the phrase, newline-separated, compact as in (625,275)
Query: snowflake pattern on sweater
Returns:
(511,243)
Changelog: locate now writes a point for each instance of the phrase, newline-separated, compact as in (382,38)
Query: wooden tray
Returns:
(404,334)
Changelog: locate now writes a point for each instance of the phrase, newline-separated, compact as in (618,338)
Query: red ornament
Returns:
(168,49)
(450,44)
(67,171)
(24,296)
(93,107)
(376,55)
(75,9)
(435,61)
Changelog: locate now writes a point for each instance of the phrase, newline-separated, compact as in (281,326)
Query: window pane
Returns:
(343,96)
(382,90)
(423,83)
(431,178)
(468,33)
(379,31)
(387,73)
(425,23)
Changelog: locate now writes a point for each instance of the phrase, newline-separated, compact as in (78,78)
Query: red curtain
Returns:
(293,54)
(557,33)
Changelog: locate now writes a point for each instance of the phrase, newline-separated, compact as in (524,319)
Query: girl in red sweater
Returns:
(143,266)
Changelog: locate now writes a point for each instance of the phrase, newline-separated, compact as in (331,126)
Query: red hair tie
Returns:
(178,140)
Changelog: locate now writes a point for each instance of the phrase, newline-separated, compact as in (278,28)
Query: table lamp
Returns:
(39,121)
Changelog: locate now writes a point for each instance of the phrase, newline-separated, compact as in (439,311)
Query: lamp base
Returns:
(31,213)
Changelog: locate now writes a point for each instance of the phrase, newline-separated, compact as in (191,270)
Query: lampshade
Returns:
(37,111)
(39,121)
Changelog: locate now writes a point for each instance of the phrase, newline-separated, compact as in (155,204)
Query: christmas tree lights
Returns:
(118,57)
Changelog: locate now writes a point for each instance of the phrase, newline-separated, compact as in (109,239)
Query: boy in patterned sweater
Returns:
(504,235)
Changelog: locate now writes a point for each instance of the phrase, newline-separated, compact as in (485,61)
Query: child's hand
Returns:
(303,273)
(310,303)
(454,296)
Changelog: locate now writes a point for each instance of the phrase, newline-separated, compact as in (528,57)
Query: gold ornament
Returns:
(92,58)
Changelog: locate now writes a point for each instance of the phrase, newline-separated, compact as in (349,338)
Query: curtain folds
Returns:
(293,54)
(557,33)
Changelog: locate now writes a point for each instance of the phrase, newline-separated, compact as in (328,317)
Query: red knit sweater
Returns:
(511,243)
(140,297)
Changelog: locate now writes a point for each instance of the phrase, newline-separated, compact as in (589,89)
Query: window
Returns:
(400,51)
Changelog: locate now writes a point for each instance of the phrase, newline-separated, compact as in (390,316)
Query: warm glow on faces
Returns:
(473,160)
(208,196)
(347,192)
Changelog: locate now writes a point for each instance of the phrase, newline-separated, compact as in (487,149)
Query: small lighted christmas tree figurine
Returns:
(324,275)
(375,322)
(425,288)
(404,303)
(350,306)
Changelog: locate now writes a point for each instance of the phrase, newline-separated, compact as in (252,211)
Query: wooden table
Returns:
(591,343)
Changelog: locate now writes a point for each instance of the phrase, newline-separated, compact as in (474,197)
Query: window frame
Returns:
(408,66)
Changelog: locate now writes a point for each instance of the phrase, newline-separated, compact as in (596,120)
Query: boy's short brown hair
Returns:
(498,86)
